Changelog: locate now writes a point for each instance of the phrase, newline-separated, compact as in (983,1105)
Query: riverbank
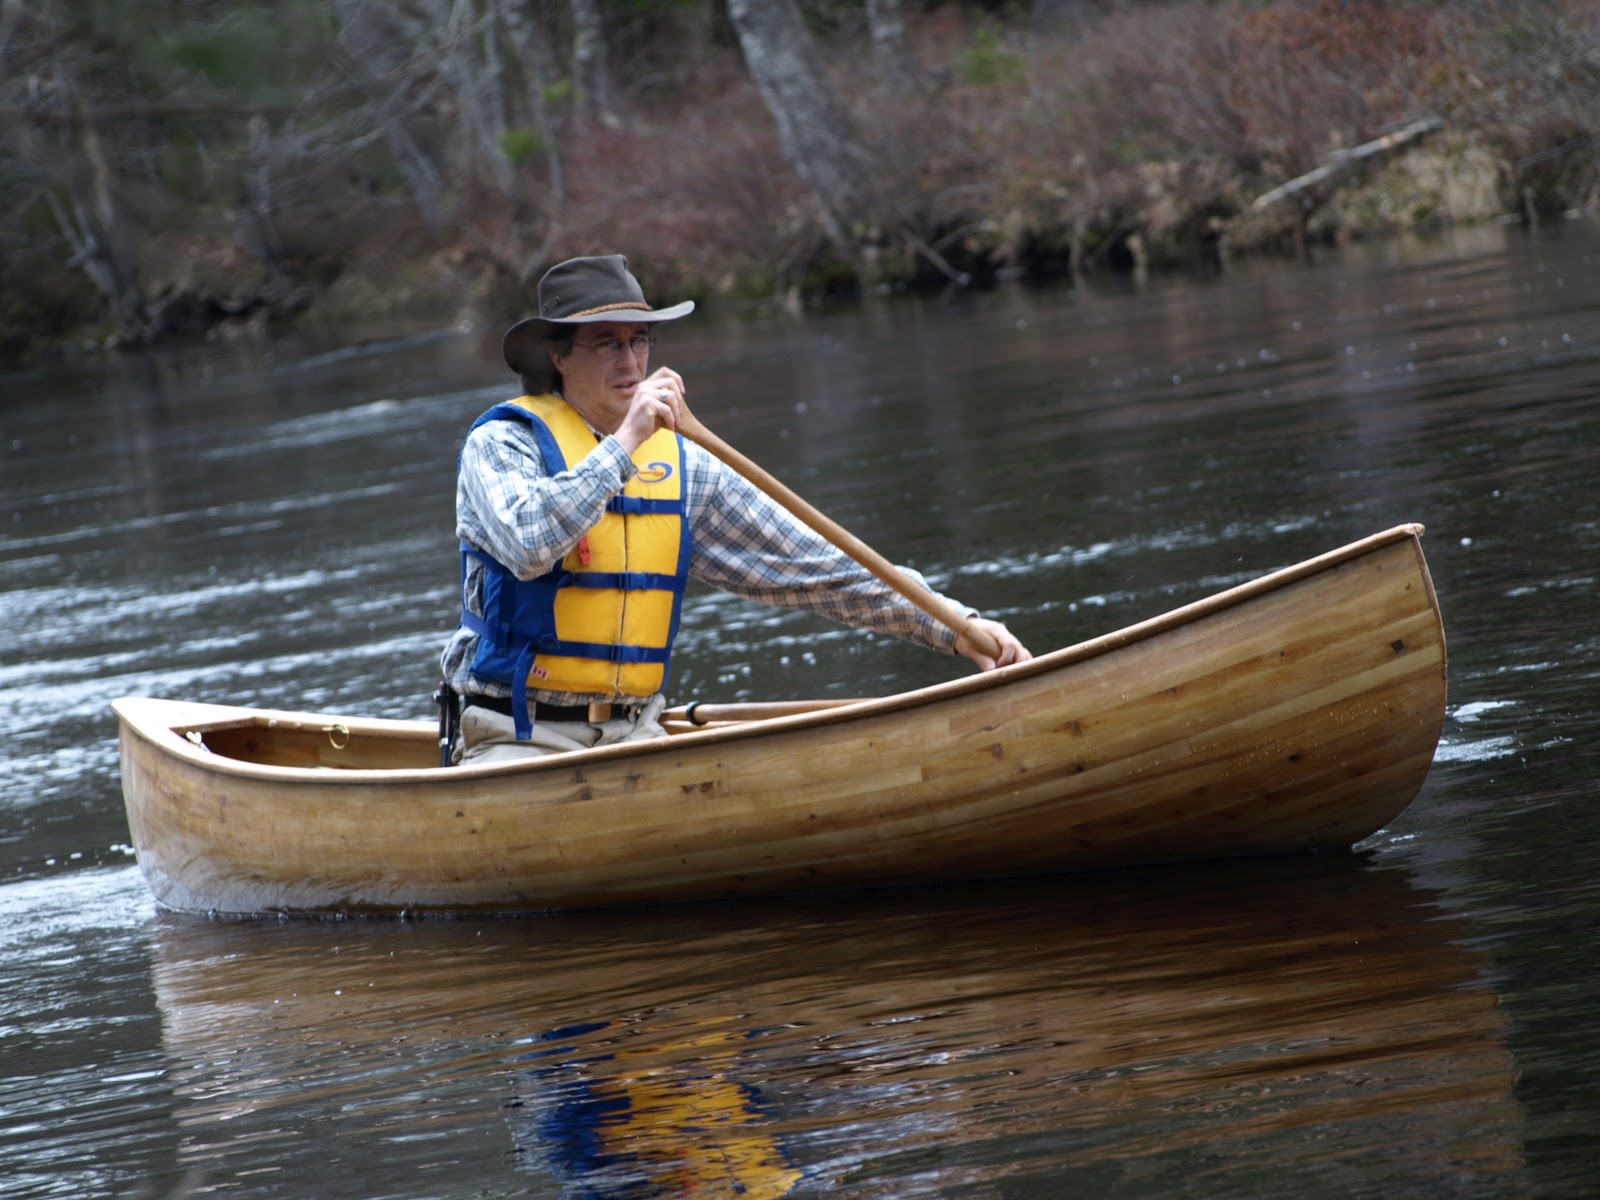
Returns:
(1177,136)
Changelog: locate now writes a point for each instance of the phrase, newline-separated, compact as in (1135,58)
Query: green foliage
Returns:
(183,167)
(520,145)
(987,62)
(244,54)
(558,93)
(250,51)
(102,22)
(38,220)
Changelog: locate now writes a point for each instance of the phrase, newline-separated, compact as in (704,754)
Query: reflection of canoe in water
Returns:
(1319,1016)
(1299,711)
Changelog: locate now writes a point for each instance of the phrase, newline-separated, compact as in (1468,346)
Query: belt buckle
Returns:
(599,712)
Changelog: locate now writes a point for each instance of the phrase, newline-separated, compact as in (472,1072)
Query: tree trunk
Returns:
(1063,16)
(260,225)
(532,49)
(104,244)
(816,131)
(891,48)
(592,77)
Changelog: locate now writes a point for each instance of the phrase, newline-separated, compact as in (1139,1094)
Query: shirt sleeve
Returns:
(748,544)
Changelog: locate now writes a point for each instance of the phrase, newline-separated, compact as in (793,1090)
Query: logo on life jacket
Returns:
(656,472)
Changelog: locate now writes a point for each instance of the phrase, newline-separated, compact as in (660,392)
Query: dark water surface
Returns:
(275,529)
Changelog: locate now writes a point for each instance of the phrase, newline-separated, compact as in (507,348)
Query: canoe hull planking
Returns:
(1299,712)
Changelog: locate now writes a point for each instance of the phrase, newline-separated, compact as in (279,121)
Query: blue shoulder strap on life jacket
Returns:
(549,449)
(501,633)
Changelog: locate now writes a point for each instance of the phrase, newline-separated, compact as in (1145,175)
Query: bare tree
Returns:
(816,130)
(378,67)
(454,61)
(54,152)
(469,69)
(532,48)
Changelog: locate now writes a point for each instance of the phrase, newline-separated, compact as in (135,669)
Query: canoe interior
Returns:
(316,744)
(272,741)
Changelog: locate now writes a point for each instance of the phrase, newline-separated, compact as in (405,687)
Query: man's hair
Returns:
(544,377)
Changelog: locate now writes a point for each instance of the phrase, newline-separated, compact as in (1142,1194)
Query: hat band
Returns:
(589,312)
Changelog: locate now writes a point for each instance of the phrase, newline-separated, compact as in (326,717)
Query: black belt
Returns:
(541,710)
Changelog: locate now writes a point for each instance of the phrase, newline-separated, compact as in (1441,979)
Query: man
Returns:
(581,514)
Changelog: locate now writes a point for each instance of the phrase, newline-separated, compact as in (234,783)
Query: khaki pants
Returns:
(488,736)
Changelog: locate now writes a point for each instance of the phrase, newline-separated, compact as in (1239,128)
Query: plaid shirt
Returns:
(743,541)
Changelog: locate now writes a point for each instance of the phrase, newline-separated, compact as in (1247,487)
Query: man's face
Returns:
(607,362)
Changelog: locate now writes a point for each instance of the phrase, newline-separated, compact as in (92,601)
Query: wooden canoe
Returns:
(1296,712)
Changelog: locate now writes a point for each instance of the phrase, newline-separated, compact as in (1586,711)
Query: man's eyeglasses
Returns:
(613,348)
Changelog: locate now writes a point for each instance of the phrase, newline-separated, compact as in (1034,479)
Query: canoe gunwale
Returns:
(159,721)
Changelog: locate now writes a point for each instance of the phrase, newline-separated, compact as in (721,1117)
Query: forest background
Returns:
(174,169)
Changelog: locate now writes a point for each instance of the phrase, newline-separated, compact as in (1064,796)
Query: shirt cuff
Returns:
(620,458)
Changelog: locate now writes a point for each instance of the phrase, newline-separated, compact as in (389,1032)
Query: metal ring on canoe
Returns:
(338,735)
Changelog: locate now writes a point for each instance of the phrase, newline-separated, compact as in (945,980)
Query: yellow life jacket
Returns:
(603,621)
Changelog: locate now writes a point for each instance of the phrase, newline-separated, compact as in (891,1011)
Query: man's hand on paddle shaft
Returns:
(656,403)
(1011,650)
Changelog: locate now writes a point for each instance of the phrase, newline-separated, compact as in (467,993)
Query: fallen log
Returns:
(1342,160)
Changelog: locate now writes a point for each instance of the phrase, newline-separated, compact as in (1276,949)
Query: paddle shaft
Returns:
(935,606)
(704,712)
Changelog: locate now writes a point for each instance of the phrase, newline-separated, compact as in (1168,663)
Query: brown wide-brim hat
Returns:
(582,291)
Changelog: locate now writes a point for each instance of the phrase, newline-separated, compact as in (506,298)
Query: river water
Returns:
(273,526)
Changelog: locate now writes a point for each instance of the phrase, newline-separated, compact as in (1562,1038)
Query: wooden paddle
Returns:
(935,606)
(710,712)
